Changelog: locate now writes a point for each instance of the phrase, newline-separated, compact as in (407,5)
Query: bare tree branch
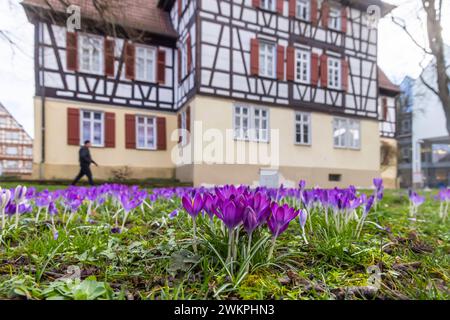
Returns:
(403,26)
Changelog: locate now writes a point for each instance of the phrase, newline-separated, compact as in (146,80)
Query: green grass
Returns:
(154,259)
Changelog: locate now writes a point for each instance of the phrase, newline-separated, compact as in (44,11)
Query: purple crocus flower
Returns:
(280,218)
(193,205)
(250,220)
(232,214)
(416,199)
(173,214)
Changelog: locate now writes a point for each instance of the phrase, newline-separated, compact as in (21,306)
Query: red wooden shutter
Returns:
(72,51)
(179,127)
(130,52)
(110,130)
(280,62)
(179,65)
(344,74)
(324,70)
(325,14)
(130,131)
(188,118)
(254,57)
(188,123)
(314,69)
(109,57)
(180,8)
(344,19)
(161,67)
(280,6)
(314,12)
(161,133)
(290,68)
(73,127)
(292,8)
(256,3)
(385,108)
(189,53)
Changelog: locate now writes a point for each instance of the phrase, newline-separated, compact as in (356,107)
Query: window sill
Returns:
(90,73)
(252,140)
(146,149)
(267,77)
(347,148)
(302,144)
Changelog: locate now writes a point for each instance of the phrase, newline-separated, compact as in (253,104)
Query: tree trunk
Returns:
(436,44)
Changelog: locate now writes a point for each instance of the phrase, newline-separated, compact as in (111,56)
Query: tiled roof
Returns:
(385,83)
(142,15)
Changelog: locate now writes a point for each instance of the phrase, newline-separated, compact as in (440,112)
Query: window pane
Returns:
(86,130)
(97,133)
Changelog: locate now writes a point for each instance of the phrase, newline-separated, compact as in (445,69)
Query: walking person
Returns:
(85,162)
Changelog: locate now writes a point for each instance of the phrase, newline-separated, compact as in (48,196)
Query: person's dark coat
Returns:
(85,157)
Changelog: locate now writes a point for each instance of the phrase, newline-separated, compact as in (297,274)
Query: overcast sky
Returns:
(397,55)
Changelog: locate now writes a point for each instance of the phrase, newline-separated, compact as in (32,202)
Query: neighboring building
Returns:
(425,141)
(388,93)
(404,132)
(296,77)
(16,146)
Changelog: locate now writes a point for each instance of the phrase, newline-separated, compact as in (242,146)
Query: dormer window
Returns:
(268,5)
(334,20)
(91,54)
(303,10)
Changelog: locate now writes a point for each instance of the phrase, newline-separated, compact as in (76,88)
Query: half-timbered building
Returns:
(298,77)
(388,98)
(16,146)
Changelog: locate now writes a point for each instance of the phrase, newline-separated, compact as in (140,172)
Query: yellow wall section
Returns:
(218,113)
(58,152)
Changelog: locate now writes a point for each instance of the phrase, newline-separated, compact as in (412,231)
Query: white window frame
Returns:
(334,71)
(335,19)
(28,151)
(184,60)
(252,132)
(9,148)
(12,136)
(146,124)
(91,129)
(303,6)
(9,162)
(184,133)
(305,62)
(269,5)
(3,121)
(347,141)
(149,53)
(267,48)
(83,36)
(300,124)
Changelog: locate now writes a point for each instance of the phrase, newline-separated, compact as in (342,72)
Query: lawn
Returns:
(82,252)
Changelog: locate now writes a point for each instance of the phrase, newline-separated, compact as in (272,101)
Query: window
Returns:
(303,11)
(346,133)
(302,128)
(28,151)
(334,20)
(184,128)
(12,151)
(12,135)
(145,63)
(184,60)
(146,132)
(303,66)
(334,73)
(406,126)
(28,165)
(406,154)
(334,177)
(251,123)
(92,127)
(91,54)
(12,164)
(268,5)
(2,121)
(266,59)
